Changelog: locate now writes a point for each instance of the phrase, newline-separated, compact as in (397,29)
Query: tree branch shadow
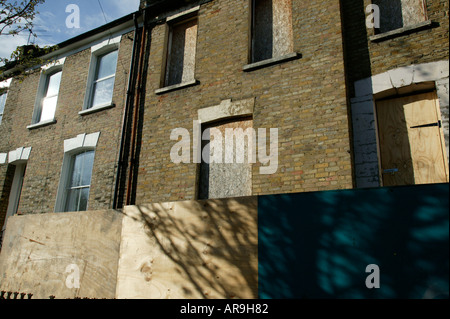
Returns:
(212,245)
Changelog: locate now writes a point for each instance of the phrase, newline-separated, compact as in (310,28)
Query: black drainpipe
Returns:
(135,114)
(122,167)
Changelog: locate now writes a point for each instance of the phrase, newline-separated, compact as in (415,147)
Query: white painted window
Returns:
(4,85)
(102,74)
(76,173)
(2,104)
(47,106)
(16,190)
(79,181)
(103,82)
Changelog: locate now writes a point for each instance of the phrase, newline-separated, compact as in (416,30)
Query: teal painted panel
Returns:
(318,245)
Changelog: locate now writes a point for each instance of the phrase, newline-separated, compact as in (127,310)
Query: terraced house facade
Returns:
(126,132)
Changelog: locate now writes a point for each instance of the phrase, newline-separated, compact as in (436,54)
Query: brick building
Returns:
(54,114)
(122,115)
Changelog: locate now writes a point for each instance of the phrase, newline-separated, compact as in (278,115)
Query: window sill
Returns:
(176,87)
(41,124)
(269,62)
(401,31)
(96,109)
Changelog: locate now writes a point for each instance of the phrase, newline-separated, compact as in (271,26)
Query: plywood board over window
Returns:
(182,47)
(272,34)
(412,146)
(395,14)
(222,173)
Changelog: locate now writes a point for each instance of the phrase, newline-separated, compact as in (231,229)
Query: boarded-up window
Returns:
(395,14)
(226,167)
(181,52)
(272,34)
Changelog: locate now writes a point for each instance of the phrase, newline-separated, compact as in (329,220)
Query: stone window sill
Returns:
(176,87)
(269,62)
(96,109)
(41,124)
(401,31)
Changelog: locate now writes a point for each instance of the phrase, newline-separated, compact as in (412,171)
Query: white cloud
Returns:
(10,44)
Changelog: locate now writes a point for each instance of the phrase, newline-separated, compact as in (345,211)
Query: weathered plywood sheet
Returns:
(272,29)
(40,254)
(183,45)
(396,14)
(231,174)
(282,31)
(411,140)
(191,249)
(413,12)
(394,143)
(426,142)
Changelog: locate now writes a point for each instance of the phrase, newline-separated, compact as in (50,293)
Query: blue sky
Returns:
(50,23)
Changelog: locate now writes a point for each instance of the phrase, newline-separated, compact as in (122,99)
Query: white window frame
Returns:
(73,147)
(97,51)
(41,95)
(4,86)
(2,109)
(70,158)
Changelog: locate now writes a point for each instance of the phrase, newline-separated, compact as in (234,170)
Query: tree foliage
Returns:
(16,17)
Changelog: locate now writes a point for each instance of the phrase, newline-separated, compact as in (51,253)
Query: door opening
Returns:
(411,141)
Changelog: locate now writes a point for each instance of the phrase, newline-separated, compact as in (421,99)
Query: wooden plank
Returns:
(395,151)
(417,152)
(425,142)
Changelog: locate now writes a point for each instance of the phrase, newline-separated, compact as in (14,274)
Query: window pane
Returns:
(76,171)
(77,199)
(48,108)
(2,102)
(84,196)
(80,180)
(72,200)
(86,171)
(103,92)
(53,84)
(82,169)
(107,65)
